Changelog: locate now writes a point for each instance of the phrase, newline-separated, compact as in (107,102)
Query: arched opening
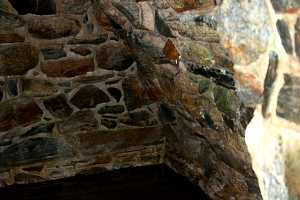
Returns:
(39,7)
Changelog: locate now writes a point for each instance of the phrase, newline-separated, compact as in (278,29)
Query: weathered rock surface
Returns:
(114,56)
(20,111)
(67,67)
(58,106)
(115,84)
(17,59)
(88,97)
(52,27)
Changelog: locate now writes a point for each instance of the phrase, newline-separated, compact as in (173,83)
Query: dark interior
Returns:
(141,183)
(39,7)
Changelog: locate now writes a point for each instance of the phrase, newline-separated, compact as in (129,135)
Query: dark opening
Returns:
(116,93)
(39,7)
(147,183)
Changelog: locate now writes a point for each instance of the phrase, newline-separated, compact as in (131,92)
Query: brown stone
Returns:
(92,79)
(69,67)
(111,141)
(74,6)
(10,37)
(81,121)
(26,111)
(7,120)
(21,111)
(52,27)
(58,106)
(185,5)
(89,96)
(136,94)
(81,51)
(38,87)
(17,59)
(113,56)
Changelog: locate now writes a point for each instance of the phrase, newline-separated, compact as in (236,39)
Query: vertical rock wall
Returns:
(265,51)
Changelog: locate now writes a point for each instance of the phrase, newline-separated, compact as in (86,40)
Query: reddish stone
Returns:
(81,51)
(67,67)
(114,56)
(17,59)
(7,120)
(137,95)
(52,27)
(27,111)
(10,37)
(21,111)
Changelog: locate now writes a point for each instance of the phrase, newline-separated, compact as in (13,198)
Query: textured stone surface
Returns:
(58,106)
(117,109)
(53,53)
(88,97)
(68,67)
(113,55)
(74,6)
(38,87)
(285,35)
(285,5)
(250,24)
(32,150)
(21,111)
(52,27)
(297,38)
(78,122)
(289,99)
(17,59)
(163,90)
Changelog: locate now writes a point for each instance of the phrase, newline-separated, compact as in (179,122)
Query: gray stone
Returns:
(285,5)
(110,124)
(285,36)
(81,121)
(40,128)
(116,109)
(12,87)
(288,106)
(53,53)
(297,38)
(33,150)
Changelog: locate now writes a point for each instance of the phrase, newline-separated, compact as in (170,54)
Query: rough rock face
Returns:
(267,70)
(104,84)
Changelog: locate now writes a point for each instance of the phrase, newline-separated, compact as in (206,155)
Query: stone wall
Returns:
(262,37)
(88,86)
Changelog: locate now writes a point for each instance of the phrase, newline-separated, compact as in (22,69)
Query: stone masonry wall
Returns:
(98,85)
(66,97)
